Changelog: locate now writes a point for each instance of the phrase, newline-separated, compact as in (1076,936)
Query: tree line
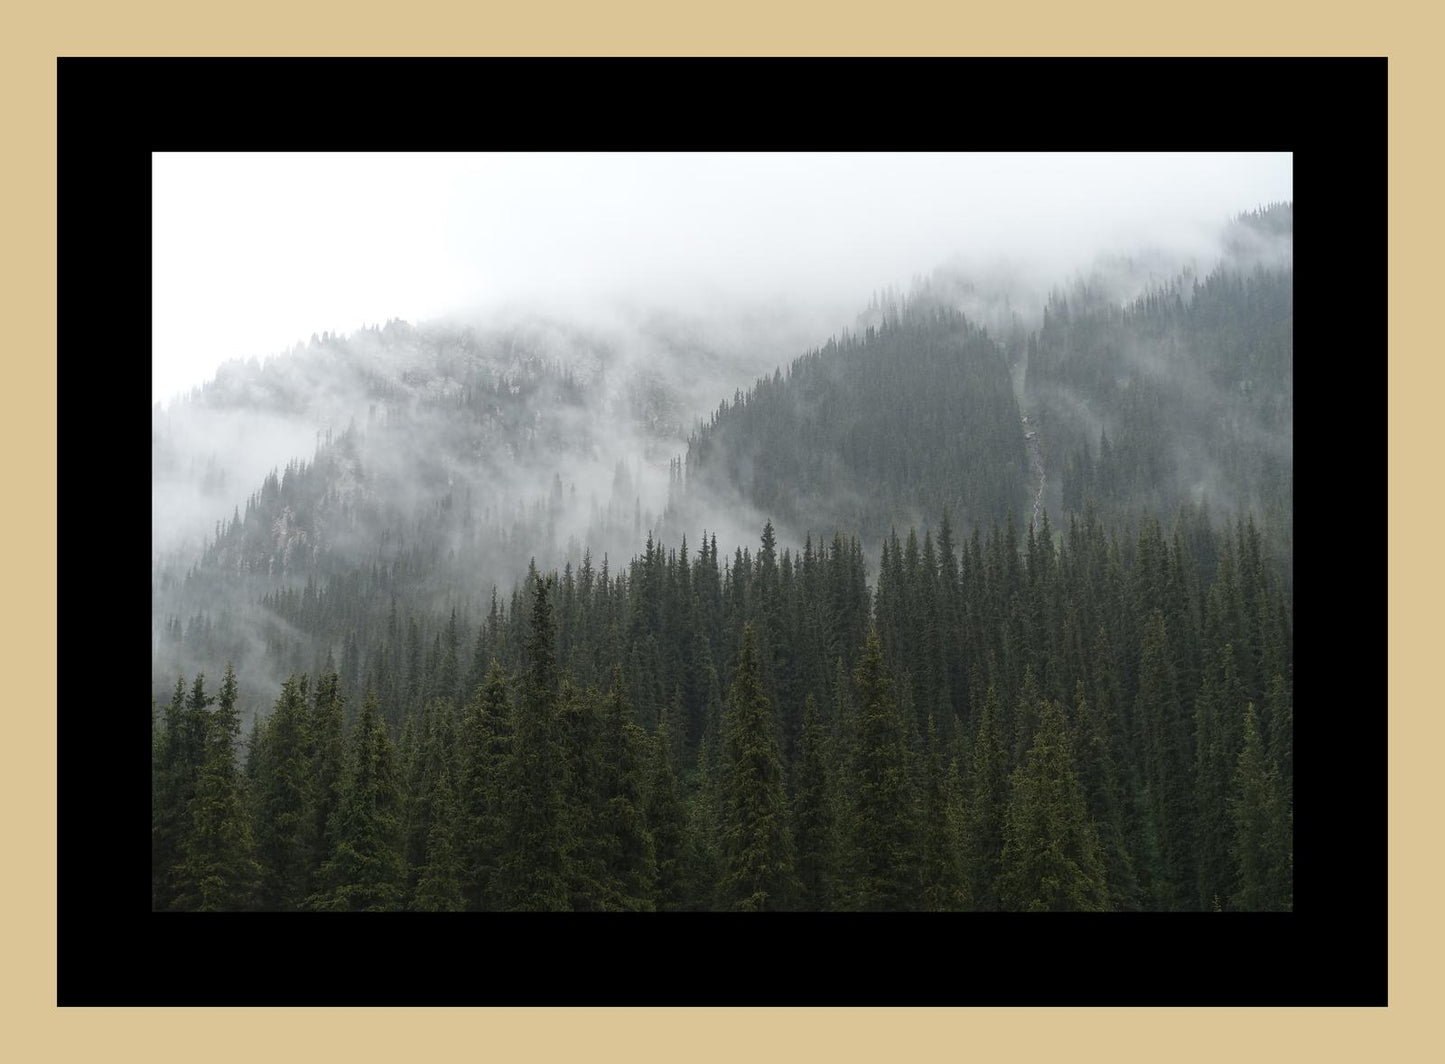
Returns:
(1085,719)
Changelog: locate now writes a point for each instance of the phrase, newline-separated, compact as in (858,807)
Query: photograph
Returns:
(722,531)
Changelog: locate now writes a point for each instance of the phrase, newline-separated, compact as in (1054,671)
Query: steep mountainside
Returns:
(914,416)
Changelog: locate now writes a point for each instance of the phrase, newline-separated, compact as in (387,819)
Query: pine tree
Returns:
(282,798)
(439,887)
(813,818)
(172,786)
(429,758)
(580,738)
(1100,777)
(707,808)
(533,874)
(1263,848)
(883,851)
(1212,779)
(1167,772)
(667,823)
(628,851)
(366,872)
(218,870)
(1051,860)
(987,808)
(1280,710)
(328,766)
(485,745)
(941,845)
(1026,716)
(758,853)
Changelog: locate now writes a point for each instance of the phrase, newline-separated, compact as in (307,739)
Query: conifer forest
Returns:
(983,603)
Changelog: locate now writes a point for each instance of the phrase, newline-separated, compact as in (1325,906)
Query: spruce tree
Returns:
(986,808)
(1101,779)
(628,849)
(707,806)
(582,783)
(1168,774)
(758,853)
(667,823)
(1051,860)
(433,746)
(1280,710)
(218,870)
(1212,778)
(1026,716)
(172,786)
(883,852)
(328,766)
(941,844)
(282,799)
(366,872)
(813,819)
(1263,847)
(485,742)
(533,874)
(439,886)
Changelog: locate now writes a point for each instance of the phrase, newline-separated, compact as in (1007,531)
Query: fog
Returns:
(297,295)
(255,252)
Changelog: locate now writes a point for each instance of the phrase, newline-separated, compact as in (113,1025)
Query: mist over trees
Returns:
(916,415)
(985,603)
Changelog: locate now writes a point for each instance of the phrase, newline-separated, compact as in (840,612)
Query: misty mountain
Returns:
(1185,393)
(448,455)
(507,607)
(469,451)
(1129,391)
(915,416)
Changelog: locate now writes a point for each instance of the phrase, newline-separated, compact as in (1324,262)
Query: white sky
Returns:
(253,252)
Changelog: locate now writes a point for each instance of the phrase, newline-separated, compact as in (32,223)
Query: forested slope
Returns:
(903,695)
(1134,696)
(915,415)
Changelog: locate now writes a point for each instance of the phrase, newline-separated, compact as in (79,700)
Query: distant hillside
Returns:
(445,460)
(1185,394)
(439,461)
(914,416)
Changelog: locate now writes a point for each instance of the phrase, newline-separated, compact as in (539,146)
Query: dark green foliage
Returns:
(883,852)
(1025,716)
(281,799)
(813,817)
(1051,860)
(534,867)
(1152,630)
(1263,829)
(1097,755)
(667,823)
(627,844)
(986,808)
(427,756)
(439,887)
(583,785)
(941,848)
(485,743)
(1214,766)
(1167,768)
(366,872)
(1279,710)
(218,870)
(175,765)
(328,766)
(1155,760)
(757,872)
